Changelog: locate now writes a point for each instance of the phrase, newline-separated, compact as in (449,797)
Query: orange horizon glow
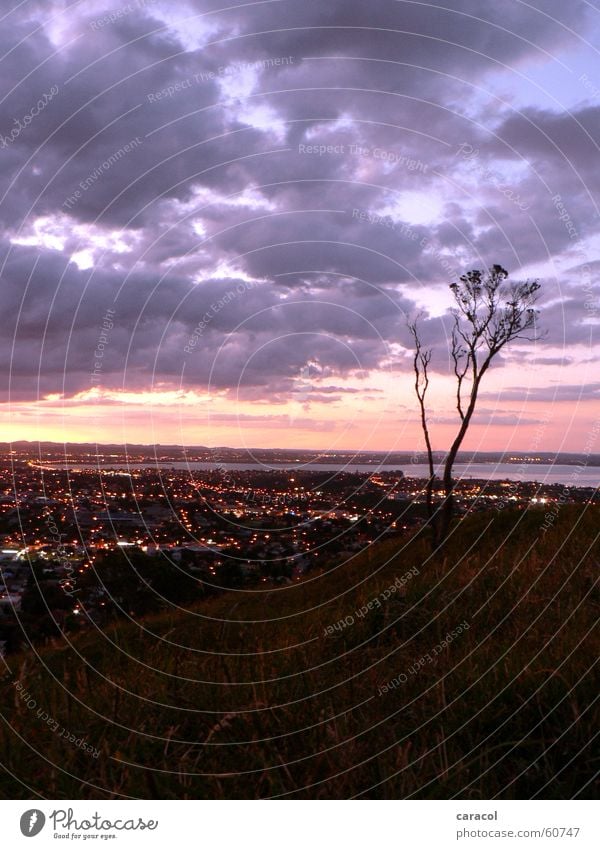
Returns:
(559,431)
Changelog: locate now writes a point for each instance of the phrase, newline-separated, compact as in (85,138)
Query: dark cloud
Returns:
(307,153)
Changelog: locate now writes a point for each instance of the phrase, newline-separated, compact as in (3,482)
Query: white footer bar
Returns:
(302,824)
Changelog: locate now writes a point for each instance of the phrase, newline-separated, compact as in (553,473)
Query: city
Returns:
(72,540)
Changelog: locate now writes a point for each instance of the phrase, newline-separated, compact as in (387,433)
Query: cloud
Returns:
(308,154)
(555,393)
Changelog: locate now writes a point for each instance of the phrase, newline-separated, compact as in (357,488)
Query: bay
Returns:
(569,475)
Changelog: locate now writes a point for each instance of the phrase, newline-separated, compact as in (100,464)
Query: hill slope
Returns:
(487,656)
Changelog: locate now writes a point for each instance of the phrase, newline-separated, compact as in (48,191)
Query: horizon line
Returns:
(422,451)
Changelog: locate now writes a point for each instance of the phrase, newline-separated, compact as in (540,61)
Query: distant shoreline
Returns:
(47,452)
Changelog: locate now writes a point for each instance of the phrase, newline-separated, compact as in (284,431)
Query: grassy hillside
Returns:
(256,694)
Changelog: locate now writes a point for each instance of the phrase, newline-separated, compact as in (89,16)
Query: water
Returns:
(544,473)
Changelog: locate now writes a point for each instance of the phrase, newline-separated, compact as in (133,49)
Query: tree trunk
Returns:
(445,512)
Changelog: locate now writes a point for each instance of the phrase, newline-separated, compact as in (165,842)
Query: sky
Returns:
(216,219)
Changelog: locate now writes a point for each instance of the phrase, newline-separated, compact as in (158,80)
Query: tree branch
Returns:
(421,362)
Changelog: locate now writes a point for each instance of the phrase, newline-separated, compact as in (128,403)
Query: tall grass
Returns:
(250,695)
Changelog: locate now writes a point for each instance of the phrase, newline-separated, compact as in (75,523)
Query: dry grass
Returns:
(195,706)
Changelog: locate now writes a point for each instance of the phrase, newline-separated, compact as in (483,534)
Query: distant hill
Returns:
(48,451)
(282,693)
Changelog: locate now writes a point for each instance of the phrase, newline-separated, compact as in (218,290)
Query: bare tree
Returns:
(489,314)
